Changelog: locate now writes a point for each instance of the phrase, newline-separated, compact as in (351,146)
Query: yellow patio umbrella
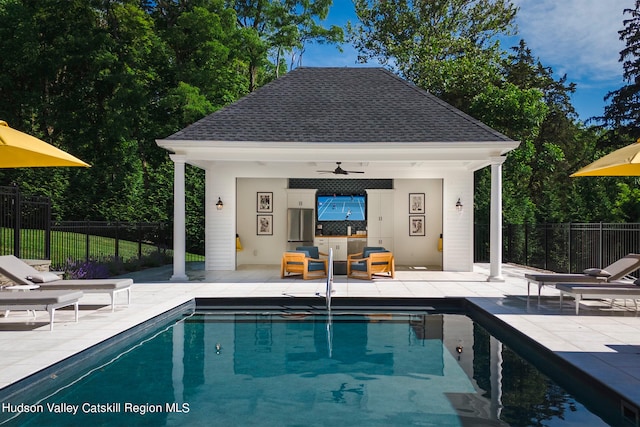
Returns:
(622,162)
(20,150)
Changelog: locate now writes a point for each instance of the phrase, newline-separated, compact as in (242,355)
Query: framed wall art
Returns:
(416,225)
(264,225)
(264,202)
(416,203)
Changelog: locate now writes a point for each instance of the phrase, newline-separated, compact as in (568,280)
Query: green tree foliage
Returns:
(448,47)
(618,127)
(556,144)
(517,113)
(281,27)
(104,79)
(623,112)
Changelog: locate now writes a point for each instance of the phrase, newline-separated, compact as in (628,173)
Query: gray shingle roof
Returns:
(339,105)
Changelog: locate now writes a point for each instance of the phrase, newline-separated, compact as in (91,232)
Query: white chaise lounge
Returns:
(39,300)
(619,270)
(612,291)
(23,274)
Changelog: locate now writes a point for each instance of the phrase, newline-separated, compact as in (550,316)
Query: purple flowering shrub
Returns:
(110,266)
(75,269)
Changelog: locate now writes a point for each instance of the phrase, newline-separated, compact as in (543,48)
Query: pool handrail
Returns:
(329,289)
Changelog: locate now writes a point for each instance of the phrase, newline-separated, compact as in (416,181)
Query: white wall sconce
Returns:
(219,204)
(459,205)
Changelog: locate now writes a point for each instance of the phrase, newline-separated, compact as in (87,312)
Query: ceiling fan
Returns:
(339,171)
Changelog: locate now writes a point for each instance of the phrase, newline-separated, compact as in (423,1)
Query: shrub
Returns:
(110,266)
(84,270)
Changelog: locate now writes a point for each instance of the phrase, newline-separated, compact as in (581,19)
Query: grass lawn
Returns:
(77,246)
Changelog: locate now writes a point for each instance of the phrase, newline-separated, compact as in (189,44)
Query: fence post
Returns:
(600,245)
(569,248)
(546,246)
(117,249)
(526,243)
(47,231)
(507,253)
(86,238)
(139,229)
(17,221)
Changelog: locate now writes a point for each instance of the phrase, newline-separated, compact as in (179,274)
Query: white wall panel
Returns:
(220,225)
(261,249)
(458,226)
(418,250)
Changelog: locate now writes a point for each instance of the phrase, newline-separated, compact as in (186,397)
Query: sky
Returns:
(578,38)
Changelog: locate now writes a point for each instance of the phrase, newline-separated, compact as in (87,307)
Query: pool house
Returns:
(340,131)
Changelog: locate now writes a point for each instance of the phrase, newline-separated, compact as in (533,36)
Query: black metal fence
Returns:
(84,240)
(568,247)
(27,231)
(24,224)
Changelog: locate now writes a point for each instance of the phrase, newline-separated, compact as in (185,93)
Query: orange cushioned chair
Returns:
(372,263)
(298,262)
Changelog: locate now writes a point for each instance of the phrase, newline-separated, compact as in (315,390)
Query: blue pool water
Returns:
(303,369)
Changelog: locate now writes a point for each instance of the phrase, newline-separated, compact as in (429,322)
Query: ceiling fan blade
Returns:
(339,170)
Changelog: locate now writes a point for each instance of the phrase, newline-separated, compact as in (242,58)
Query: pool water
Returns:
(305,369)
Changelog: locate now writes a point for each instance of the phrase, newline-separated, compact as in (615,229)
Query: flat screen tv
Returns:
(341,207)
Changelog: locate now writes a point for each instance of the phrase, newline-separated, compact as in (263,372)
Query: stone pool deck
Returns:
(603,340)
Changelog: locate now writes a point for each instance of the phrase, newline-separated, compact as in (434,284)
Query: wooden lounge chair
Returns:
(39,300)
(24,274)
(300,263)
(612,273)
(612,291)
(376,263)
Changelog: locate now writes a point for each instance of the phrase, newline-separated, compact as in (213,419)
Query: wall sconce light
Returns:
(219,205)
(459,205)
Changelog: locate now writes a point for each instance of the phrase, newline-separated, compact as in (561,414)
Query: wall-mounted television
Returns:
(341,207)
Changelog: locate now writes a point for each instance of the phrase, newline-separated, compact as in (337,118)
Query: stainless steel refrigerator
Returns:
(299,228)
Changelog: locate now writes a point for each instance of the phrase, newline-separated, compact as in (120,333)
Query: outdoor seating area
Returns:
(372,261)
(304,262)
(48,301)
(599,291)
(22,273)
(31,290)
(619,270)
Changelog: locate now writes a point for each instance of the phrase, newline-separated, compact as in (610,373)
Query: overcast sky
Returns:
(576,37)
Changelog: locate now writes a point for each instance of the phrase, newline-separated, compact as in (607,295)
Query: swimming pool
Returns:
(301,368)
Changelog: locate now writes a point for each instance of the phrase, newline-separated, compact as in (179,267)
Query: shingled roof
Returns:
(351,105)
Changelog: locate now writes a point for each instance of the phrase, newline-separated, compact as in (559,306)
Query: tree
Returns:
(279,27)
(617,127)
(517,113)
(103,80)
(447,47)
(623,113)
(560,141)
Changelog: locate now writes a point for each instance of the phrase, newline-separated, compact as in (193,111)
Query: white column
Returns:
(495,245)
(179,220)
